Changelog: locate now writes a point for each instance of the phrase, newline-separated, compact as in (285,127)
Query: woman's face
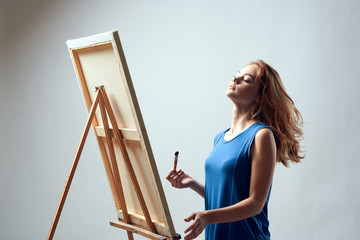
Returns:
(243,90)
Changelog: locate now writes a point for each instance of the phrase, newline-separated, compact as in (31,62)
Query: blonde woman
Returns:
(265,129)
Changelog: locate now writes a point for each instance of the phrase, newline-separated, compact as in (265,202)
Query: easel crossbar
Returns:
(142,231)
(126,133)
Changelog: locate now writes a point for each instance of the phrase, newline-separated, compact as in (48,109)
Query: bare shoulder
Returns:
(264,134)
(264,143)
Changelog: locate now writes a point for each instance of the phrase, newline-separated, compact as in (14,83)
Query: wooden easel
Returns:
(101,99)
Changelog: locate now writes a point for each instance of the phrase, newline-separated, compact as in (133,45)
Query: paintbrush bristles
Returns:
(176,159)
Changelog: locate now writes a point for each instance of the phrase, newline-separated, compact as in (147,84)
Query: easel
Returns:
(101,99)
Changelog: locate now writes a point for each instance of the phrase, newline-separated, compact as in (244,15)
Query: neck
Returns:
(241,119)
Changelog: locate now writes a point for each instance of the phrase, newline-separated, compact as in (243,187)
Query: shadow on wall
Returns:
(17,18)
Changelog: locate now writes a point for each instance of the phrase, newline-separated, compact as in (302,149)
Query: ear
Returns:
(258,100)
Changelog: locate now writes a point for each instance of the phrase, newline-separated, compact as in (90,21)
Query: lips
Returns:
(232,87)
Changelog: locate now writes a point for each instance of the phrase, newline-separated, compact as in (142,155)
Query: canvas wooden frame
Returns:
(99,60)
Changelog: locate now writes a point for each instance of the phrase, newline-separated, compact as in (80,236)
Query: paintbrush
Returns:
(176,159)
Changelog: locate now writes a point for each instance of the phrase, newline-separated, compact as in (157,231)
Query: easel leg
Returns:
(134,180)
(73,168)
(130,235)
(114,164)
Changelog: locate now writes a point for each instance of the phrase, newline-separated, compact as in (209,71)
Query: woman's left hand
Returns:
(197,226)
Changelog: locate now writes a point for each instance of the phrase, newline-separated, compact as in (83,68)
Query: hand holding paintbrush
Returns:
(179,179)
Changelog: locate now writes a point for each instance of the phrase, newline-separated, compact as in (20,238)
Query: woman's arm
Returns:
(179,179)
(263,159)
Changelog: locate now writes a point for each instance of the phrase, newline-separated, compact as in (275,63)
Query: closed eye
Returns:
(247,78)
(241,78)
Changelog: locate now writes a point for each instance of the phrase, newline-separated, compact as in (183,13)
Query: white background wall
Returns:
(181,55)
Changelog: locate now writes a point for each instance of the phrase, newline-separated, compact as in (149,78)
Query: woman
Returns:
(265,129)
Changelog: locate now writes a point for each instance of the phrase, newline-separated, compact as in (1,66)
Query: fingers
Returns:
(169,174)
(189,218)
(191,227)
(174,174)
(195,229)
(192,235)
(176,181)
(175,177)
(192,231)
(178,175)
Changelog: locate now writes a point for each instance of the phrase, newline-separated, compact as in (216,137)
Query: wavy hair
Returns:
(277,110)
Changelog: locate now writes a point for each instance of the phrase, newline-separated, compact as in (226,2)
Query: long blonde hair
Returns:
(277,110)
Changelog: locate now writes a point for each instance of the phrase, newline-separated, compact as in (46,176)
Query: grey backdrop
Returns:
(181,55)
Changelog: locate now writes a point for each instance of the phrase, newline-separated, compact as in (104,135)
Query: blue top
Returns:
(227,182)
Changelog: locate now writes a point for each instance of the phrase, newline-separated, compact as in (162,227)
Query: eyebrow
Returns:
(248,74)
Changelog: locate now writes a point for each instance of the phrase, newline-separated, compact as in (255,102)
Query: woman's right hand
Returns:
(179,179)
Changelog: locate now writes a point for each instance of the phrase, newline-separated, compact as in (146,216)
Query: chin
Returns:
(228,93)
(230,96)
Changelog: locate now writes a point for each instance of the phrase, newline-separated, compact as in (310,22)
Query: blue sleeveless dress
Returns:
(227,182)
